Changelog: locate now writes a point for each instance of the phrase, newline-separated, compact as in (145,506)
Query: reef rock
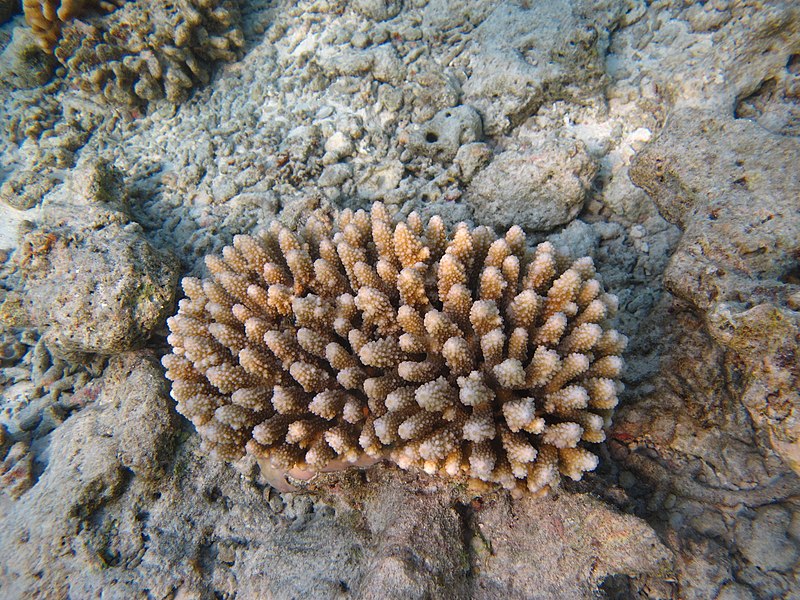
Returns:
(449,130)
(737,259)
(87,274)
(530,53)
(538,185)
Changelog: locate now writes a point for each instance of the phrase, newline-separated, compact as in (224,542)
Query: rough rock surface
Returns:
(124,287)
(318,114)
(202,529)
(545,48)
(737,259)
(449,130)
(538,185)
(737,207)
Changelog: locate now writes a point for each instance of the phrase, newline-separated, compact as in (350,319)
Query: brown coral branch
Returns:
(457,353)
(47,16)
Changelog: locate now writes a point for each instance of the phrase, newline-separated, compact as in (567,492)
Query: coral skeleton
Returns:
(456,352)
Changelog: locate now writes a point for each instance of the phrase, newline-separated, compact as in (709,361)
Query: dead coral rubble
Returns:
(455,352)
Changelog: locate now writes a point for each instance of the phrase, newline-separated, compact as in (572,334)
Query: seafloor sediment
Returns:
(659,138)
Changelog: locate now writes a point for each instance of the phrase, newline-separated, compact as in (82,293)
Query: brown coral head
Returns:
(455,352)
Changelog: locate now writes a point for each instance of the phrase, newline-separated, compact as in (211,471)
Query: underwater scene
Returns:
(399,299)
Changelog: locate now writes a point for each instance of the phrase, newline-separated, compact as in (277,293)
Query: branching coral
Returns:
(142,51)
(46,16)
(457,352)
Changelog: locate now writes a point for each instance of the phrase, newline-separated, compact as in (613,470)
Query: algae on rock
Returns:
(86,274)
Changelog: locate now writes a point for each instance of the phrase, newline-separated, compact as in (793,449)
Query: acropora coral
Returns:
(132,52)
(457,352)
(47,16)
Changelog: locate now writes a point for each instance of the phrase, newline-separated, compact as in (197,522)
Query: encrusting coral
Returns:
(458,352)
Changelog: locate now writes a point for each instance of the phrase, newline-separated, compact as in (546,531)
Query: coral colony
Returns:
(456,352)
(131,53)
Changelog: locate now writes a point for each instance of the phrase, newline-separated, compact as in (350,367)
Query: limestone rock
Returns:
(588,536)
(740,200)
(764,541)
(86,470)
(736,261)
(87,274)
(536,187)
(530,53)
(135,393)
(443,136)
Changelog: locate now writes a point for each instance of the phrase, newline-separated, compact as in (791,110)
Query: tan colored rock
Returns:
(88,276)
(537,188)
(737,260)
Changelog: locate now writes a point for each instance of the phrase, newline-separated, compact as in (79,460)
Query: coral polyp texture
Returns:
(359,338)
(133,52)
(46,16)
